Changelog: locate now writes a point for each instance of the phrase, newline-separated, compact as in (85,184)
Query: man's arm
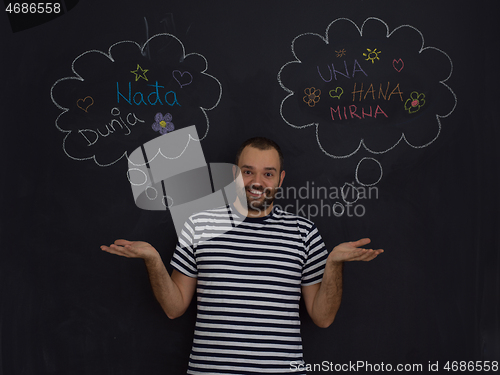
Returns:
(322,300)
(174,293)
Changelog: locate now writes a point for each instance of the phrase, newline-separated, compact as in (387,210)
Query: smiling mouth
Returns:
(255,193)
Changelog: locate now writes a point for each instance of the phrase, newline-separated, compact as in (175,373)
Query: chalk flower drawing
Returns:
(415,102)
(163,124)
(312,96)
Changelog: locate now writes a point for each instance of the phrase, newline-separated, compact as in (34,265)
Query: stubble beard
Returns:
(257,205)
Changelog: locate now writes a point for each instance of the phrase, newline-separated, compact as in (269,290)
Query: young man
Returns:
(250,279)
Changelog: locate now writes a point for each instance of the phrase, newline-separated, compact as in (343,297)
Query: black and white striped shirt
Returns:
(248,288)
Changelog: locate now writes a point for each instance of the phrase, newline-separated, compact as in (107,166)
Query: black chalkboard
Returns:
(385,111)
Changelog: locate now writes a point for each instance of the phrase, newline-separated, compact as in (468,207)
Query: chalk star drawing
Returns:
(140,73)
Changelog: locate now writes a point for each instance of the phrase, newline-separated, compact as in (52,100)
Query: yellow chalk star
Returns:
(139,73)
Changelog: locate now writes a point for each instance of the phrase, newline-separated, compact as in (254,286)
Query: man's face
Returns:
(261,178)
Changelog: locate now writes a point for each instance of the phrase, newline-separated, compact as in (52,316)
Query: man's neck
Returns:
(252,213)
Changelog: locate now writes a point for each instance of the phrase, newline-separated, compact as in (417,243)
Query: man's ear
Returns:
(282,177)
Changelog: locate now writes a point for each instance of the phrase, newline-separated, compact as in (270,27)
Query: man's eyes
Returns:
(268,174)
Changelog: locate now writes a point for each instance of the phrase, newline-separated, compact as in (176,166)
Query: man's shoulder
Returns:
(221,212)
(288,217)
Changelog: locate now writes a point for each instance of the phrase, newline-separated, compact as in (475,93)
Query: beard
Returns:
(257,204)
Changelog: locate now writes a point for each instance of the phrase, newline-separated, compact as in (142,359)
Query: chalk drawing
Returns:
(85,103)
(398,65)
(372,55)
(140,73)
(86,137)
(378,77)
(312,96)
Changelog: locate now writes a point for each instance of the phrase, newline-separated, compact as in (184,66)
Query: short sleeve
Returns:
(312,272)
(184,259)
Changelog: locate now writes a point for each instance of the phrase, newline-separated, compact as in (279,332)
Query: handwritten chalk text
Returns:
(333,72)
(153,98)
(114,125)
(352,112)
(370,92)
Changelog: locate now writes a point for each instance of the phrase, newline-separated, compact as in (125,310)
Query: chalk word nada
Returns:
(169,98)
(33,8)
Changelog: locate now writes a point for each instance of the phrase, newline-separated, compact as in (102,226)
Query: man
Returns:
(249,280)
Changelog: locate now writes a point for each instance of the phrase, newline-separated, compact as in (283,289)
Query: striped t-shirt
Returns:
(249,279)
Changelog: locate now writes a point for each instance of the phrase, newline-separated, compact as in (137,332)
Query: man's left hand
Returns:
(353,251)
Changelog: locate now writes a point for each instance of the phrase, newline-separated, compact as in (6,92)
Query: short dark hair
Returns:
(261,143)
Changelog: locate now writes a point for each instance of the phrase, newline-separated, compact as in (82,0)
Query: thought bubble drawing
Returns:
(384,88)
(120,99)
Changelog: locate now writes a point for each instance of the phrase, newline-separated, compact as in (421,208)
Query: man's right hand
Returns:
(132,249)
(173,293)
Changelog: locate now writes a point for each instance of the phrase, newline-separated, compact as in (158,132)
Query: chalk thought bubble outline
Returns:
(362,142)
(78,77)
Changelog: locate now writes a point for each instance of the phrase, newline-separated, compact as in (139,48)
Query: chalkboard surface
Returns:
(385,111)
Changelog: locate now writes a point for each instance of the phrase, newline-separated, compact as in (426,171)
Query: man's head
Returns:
(261,163)
(261,143)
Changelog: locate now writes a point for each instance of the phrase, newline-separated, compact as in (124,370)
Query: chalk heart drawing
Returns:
(398,65)
(182,78)
(85,103)
(337,93)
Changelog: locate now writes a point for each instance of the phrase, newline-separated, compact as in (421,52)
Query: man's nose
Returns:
(256,180)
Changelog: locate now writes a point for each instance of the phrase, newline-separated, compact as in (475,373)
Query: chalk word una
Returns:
(333,72)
